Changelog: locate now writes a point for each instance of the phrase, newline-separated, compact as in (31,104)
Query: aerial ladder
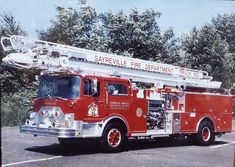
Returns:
(28,53)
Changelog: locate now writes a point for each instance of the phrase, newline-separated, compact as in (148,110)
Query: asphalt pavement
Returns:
(22,150)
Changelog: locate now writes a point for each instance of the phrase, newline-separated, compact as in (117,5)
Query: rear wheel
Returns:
(113,138)
(205,135)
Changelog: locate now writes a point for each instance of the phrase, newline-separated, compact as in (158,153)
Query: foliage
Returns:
(15,84)
(72,27)
(10,80)
(137,34)
(9,26)
(225,26)
(212,49)
(205,50)
(15,106)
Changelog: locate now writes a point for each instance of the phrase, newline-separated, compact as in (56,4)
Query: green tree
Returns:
(138,35)
(78,28)
(212,48)
(225,26)
(206,50)
(9,26)
(16,85)
(60,30)
(10,80)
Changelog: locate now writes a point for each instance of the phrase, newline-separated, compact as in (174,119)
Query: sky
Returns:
(182,15)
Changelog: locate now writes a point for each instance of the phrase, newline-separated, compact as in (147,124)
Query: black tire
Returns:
(192,139)
(205,135)
(113,138)
(70,142)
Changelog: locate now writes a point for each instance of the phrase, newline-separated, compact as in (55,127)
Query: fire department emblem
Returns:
(139,112)
(93,110)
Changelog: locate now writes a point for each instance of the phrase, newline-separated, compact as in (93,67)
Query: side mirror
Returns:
(94,85)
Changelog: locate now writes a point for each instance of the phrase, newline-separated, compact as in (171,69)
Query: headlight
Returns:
(56,114)
(45,113)
(32,115)
(69,120)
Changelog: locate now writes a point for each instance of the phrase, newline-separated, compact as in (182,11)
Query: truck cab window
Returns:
(87,88)
(117,89)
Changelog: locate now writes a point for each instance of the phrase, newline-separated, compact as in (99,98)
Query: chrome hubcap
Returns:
(114,137)
(206,134)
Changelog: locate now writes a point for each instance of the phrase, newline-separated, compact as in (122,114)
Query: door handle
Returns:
(107,98)
(100,101)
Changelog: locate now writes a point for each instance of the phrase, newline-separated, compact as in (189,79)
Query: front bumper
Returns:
(54,132)
(80,130)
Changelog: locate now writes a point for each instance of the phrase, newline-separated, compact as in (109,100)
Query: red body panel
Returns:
(216,107)
(67,106)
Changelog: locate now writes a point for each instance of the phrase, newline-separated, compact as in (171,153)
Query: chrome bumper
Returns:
(54,132)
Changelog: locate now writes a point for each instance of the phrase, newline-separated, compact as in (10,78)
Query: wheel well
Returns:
(208,120)
(120,122)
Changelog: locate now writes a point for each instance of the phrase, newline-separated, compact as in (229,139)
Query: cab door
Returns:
(118,98)
(92,105)
(121,101)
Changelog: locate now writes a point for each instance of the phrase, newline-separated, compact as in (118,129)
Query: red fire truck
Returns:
(88,94)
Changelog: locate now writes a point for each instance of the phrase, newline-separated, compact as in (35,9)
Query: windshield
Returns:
(62,87)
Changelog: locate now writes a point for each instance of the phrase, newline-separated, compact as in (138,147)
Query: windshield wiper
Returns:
(51,97)
(58,97)
(43,97)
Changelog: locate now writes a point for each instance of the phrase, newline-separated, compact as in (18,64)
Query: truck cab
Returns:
(82,106)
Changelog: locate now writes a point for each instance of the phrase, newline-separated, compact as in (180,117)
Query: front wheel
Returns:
(205,135)
(113,138)
(70,142)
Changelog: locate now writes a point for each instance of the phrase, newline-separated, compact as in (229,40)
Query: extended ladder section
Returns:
(30,53)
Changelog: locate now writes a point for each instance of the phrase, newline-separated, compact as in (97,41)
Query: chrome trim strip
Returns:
(56,132)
